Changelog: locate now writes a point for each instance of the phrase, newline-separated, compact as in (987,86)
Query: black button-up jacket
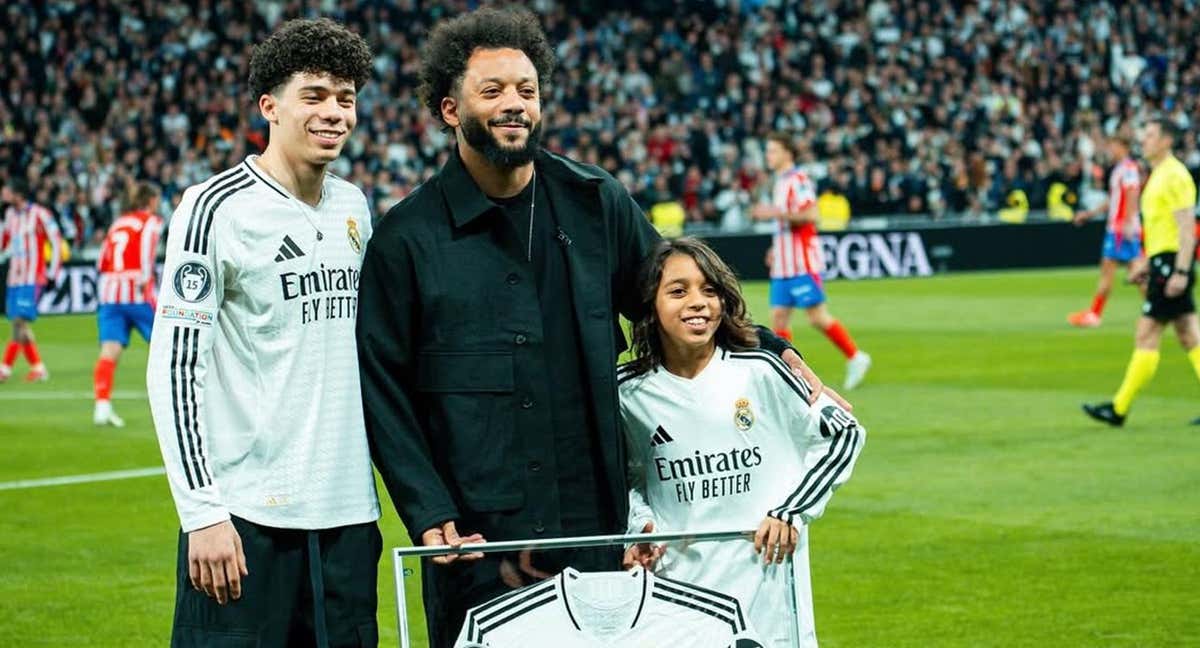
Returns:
(449,333)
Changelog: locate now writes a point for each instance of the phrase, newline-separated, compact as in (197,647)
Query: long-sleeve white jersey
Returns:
(253,369)
(724,450)
(631,609)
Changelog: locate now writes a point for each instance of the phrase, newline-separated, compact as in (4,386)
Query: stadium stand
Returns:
(931,108)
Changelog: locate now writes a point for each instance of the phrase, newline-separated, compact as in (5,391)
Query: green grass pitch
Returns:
(985,511)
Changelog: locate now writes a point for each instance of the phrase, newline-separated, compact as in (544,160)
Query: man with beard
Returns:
(488,332)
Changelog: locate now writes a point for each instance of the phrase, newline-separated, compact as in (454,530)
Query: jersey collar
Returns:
(570,575)
(260,175)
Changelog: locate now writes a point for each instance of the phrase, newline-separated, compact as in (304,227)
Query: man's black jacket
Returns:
(449,327)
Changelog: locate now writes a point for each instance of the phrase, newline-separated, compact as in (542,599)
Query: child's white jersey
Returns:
(633,609)
(724,450)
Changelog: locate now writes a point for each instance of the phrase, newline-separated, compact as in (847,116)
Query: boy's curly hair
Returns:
(451,43)
(316,46)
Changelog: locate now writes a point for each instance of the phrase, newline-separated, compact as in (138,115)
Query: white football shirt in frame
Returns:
(633,609)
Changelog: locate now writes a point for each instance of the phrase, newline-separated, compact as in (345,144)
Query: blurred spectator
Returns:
(834,208)
(923,106)
(666,212)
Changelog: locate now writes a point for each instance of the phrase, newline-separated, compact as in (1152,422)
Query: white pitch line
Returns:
(64,395)
(82,479)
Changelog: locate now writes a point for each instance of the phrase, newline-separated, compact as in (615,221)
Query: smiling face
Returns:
(497,107)
(311,116)
(688,308)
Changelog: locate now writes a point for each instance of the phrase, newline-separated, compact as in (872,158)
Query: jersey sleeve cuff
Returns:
(635,527)
(636,524)
(797,520)
(203,519)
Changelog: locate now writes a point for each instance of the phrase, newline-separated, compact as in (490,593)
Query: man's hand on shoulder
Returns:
(801,369)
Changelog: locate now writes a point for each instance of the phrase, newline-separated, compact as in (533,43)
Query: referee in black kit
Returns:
(488,331)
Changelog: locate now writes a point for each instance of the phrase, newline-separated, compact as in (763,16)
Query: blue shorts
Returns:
(1127,251)
(804,291)
(20,302)
(117,320)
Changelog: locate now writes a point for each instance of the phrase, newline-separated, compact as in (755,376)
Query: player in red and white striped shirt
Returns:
(795,257)
(1123,236)
(126,290)
(28,229)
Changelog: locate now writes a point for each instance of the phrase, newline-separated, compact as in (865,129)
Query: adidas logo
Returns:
(288,251)
(660,437)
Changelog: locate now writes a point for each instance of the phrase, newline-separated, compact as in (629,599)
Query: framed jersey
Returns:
(574,609)
(633,609)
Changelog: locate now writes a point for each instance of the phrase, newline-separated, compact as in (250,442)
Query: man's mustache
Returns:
(506,121)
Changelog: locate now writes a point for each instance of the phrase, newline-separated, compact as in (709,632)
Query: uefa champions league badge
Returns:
(192,282)
(353,235)
(743,417)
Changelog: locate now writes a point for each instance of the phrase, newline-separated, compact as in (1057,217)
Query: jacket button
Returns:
(520,338)
(535,466)
(539,528)
(527,403)
(512,279)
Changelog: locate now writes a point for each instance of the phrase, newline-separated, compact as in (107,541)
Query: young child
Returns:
(721,436)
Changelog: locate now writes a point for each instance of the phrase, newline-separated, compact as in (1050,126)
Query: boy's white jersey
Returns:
(253,369)
(632,609)
(724,450)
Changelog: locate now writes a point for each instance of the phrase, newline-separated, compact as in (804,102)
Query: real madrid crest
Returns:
(353,235)
(743,417)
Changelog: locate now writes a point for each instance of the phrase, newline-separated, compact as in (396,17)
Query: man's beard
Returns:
(476,132)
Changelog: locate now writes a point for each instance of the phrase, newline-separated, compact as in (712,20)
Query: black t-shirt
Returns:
(583,499)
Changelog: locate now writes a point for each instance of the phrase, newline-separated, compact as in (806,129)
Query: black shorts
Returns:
(1158,306)
(287,566)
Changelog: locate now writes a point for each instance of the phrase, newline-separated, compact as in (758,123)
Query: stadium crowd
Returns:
(924,107)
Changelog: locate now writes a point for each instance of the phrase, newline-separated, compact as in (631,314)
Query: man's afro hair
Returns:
(451,43)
